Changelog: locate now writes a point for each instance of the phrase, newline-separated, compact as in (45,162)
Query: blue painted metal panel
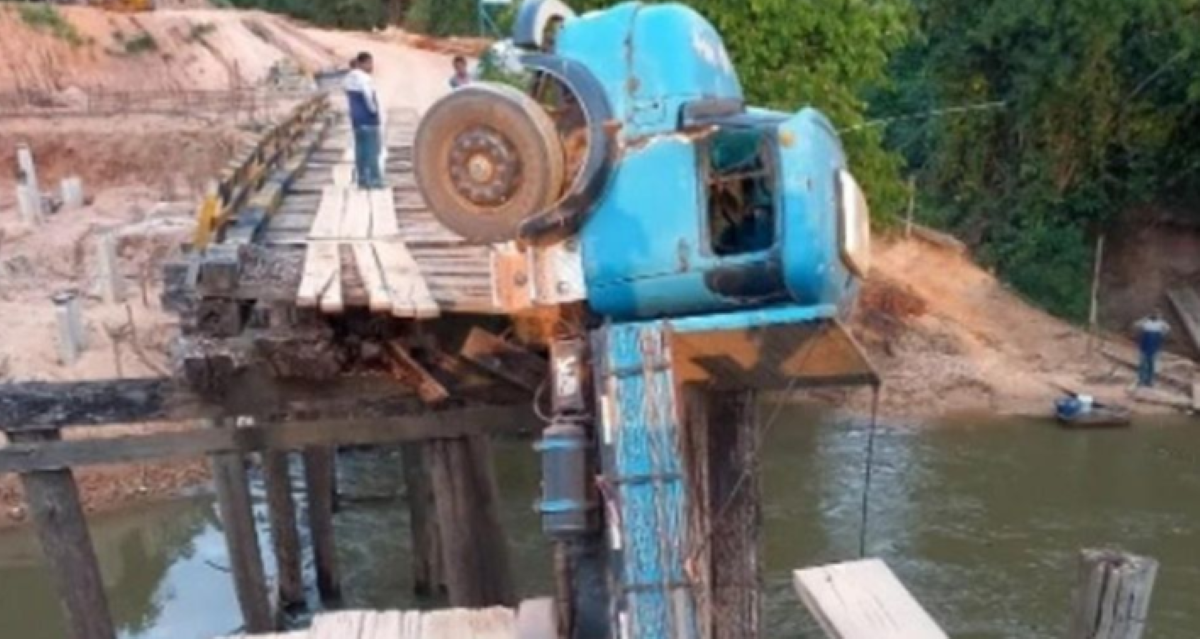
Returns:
(643,467)
(810,156)
(759,318)
(669,56)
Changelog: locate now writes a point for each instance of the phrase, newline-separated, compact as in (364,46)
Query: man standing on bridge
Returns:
(364,117)
(1152,332)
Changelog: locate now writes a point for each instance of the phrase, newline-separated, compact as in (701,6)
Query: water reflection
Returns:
(981,520)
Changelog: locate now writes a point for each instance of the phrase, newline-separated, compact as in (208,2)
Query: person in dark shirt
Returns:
(364,118)
(461,77)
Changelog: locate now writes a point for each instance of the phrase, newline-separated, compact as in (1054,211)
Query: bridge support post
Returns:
(284,535)
(241,540)
(475,555)
(428,577)
(53,500)
(319,480)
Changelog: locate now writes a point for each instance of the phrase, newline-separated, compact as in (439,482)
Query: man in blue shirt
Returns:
(1152,332)
(364,118)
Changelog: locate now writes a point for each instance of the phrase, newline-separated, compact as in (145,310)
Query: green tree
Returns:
(1099,102)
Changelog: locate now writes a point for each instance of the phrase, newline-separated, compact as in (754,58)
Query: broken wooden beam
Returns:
(504,359)
(408,370)
(451,423)
(51,405)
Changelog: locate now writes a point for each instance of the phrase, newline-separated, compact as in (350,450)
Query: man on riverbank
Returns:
(1152,332)
(365,119)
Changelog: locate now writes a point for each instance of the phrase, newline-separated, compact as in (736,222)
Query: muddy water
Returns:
(981,520)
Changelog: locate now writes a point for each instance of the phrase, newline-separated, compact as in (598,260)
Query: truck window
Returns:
(740,188)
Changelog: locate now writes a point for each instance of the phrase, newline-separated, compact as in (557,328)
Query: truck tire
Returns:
(486,158)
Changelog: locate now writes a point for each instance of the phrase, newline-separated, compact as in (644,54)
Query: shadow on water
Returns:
(980,518)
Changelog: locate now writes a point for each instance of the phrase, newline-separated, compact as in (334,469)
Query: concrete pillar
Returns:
(29,204)
(72,193)
(28,170)
(71,338)
(29,194)
(112,284)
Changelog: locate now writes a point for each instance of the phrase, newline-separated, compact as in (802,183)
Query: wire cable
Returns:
(867,475)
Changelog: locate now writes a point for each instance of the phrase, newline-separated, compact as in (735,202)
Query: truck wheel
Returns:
(487,157)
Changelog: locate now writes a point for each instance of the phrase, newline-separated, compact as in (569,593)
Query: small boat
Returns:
(1078,411)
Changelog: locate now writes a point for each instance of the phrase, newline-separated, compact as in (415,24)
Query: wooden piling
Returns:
(241,539)
(284,535)
(318,474)
(475,554)
(1112,597)
(53,500)
(428,579)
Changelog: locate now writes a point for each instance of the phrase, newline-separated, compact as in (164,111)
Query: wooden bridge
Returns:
(300,303)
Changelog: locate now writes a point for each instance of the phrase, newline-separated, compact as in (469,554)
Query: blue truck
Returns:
(720,245)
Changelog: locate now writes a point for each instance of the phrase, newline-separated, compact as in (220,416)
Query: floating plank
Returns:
(490,623)
(863,600)
(328,222)
(322,271)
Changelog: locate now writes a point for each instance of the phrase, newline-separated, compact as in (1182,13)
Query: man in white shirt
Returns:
(366,121)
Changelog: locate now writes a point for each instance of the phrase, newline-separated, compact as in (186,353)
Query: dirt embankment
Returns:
(948,337)
(161,51)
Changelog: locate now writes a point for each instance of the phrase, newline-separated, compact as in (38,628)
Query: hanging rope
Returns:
(867,473)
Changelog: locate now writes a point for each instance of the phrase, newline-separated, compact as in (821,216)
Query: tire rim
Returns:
(485,168)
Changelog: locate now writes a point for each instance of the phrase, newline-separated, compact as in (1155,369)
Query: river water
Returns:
(981,519)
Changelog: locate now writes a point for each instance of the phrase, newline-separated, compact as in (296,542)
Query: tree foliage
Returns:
(1098,111)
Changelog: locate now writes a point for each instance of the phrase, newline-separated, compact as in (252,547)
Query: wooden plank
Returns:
(332,301)
(378,296)
(322,271)
(49,405)
(241,540)
(383,214)
(343,174)
(318,474)
(20,457)
(53,500)
(329,213)
(1112,596)
(409,293)
(414,375)
(863,600)
(281,511)
(1196,393)
(356,219)
(505,360)
(1187,305)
